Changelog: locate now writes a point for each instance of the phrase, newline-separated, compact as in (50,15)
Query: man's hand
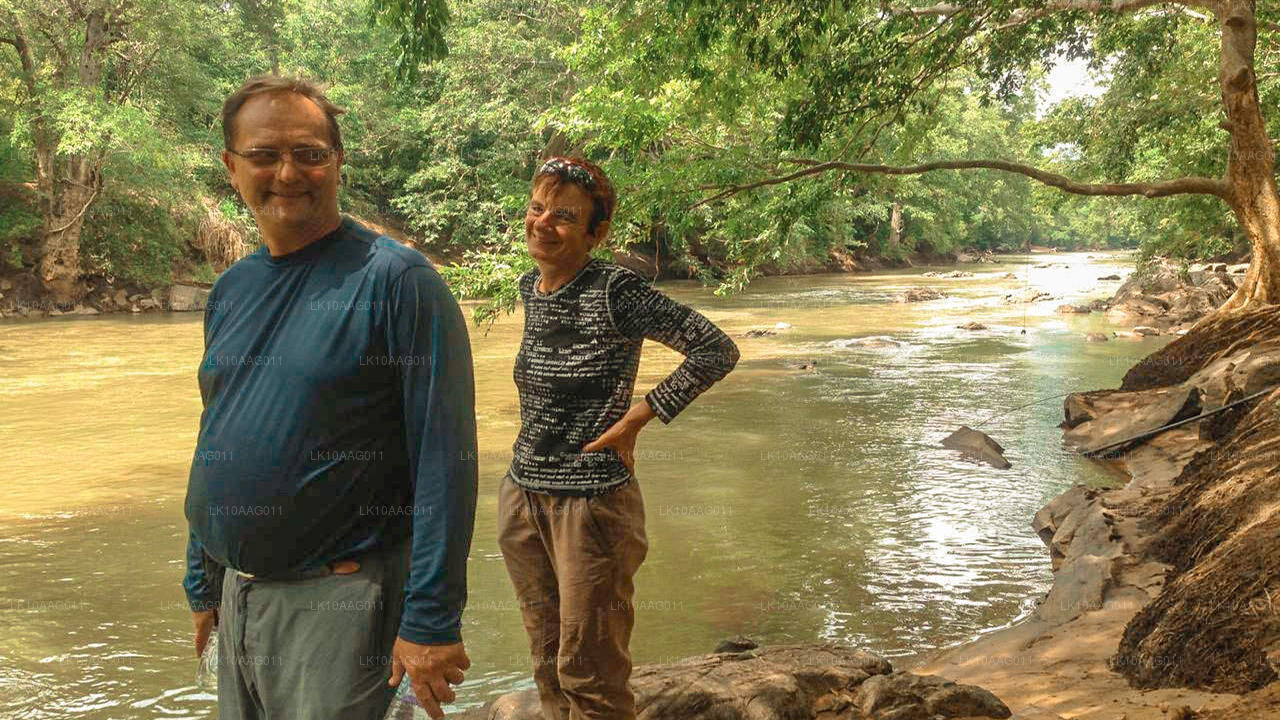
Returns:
(205,621)
(621,436)
(431,669)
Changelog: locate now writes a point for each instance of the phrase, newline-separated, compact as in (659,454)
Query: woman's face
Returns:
(555,226)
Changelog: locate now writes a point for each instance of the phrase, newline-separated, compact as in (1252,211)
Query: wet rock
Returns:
(977,445)
(147,303)
(1098,305)
(793,681)
(736,644)
(972,326)
(1096,337)
(1009,276)
(806,365)
(83,310)
(759,333)
(186,298)
(952,274)
(1073,310)
(1109,277)
(1146,331)
(920,295)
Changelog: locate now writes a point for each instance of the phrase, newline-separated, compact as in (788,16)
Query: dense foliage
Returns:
(678,100)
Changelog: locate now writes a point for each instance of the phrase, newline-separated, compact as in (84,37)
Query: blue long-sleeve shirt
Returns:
(339,417)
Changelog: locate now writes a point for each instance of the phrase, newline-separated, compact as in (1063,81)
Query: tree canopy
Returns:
(745,137)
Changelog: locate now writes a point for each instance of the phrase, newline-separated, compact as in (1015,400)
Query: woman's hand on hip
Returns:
(621,436)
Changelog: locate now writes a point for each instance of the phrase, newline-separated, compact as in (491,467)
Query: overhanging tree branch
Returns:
(1181,186)
(1118,6)
(1025,15)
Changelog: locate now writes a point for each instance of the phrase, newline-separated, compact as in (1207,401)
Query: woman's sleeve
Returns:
(639,311)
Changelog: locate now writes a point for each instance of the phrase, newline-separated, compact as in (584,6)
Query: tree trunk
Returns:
(69,185)
(1251,164)
(65,209)
(895,229)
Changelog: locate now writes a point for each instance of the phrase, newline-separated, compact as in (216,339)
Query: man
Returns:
(332,496)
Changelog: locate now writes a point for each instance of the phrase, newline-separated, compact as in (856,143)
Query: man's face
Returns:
(555,226)
(288,197)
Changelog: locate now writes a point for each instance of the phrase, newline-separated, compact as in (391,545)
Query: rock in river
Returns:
(977,445)
(920,295)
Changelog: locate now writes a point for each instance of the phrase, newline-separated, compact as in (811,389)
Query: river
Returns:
(788,505)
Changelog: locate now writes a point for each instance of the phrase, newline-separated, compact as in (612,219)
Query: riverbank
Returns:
(1154,588)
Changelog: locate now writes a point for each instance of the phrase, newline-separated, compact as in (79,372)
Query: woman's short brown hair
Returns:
(586,175)
(278,83)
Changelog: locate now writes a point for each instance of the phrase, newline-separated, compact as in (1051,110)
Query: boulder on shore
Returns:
(1116,416)
(1165,296)
(831,682)
(186,298)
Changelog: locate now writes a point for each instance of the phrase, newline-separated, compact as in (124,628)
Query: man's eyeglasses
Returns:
(304,157)
(568,171)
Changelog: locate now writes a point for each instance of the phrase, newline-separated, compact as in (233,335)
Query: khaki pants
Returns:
(571,560)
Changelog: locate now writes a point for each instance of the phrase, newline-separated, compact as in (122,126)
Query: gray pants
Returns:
(311,649)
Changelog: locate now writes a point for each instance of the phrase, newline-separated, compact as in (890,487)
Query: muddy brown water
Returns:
(788,505)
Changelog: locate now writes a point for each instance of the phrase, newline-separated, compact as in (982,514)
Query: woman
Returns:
(572,518)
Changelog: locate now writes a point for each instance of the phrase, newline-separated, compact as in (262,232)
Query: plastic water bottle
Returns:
(207,670)
(405,705)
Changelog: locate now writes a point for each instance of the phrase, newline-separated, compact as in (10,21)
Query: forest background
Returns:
(683,107)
